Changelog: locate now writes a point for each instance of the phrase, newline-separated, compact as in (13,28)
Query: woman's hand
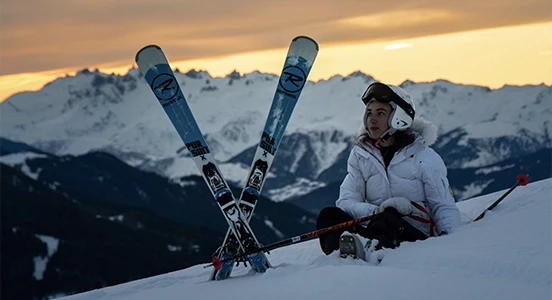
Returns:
(401,204)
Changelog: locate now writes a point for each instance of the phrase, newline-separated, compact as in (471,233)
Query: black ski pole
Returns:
(217,262)
(522,180)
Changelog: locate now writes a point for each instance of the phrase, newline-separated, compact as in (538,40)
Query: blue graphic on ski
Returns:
(156,69)
(299,60)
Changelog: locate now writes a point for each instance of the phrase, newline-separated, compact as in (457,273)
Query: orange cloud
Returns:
(398,19)
(76,34)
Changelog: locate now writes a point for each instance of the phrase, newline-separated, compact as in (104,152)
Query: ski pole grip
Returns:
(216,263)
(522,179)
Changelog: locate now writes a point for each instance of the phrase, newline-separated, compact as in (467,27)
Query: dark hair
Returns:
(401,138)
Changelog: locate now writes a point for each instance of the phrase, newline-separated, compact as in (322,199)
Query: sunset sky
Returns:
(489,43)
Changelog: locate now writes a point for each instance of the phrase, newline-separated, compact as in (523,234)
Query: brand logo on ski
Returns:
(165,88)
(196,149)
(292,79)
(267,143)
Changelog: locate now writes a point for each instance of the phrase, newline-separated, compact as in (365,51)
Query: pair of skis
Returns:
(240,237)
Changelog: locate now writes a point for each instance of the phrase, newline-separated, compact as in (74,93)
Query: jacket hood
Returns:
(420,127)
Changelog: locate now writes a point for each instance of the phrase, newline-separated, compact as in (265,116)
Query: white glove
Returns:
(401,204)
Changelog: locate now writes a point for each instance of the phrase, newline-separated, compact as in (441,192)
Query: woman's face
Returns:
(376,118)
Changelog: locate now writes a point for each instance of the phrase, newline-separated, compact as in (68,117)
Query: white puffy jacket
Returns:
(416,172)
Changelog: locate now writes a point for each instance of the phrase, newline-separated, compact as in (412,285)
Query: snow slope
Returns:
(506,255)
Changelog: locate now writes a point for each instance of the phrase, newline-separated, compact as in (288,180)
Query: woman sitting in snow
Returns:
(394,175)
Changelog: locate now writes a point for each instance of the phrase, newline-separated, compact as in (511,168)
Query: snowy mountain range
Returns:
(103,140)
(494,258)
(478,126)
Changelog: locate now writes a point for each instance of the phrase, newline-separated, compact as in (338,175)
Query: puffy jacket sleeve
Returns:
(352,191)
(441,203)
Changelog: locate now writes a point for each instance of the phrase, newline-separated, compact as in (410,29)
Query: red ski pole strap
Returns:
(429,220)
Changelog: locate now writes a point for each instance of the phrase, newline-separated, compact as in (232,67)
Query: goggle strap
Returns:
(394,98)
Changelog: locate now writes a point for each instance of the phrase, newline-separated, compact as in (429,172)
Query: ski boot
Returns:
(358,247)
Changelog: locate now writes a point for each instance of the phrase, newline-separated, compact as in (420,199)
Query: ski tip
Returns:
(143,49)
(523,179)
(216,263)
(304,37)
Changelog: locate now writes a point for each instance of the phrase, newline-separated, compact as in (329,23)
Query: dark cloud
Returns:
(49,34)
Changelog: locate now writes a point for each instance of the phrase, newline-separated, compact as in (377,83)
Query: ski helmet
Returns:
(403,110)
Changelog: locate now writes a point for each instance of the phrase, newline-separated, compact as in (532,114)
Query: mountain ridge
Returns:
(118,114)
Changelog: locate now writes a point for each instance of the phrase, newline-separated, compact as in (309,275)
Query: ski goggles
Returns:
(383,93)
